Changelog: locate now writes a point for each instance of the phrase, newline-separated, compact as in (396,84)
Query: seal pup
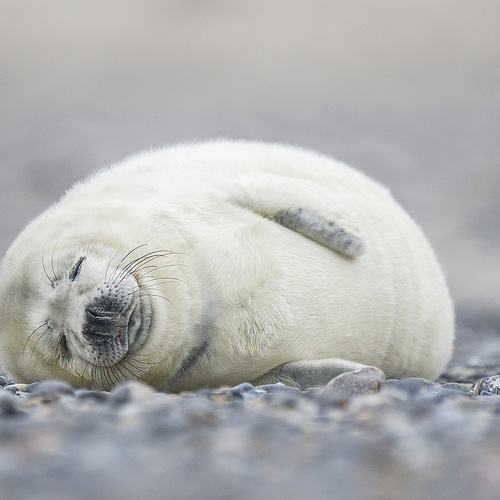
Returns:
(222,262)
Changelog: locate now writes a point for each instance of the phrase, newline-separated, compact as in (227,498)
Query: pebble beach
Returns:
(413,439)
(406,92)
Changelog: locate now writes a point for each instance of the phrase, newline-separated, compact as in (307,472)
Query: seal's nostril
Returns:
(99,318)
(99,322)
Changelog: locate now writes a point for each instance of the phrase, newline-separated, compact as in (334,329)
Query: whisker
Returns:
(125,257)
(46,282)
(162,297)
(52,281)
(39,338)
(164,280)
(133,250)
(114,375)
(137,265)
(52,262)
(128,375)
(32,333)
(108,266)
(86,366)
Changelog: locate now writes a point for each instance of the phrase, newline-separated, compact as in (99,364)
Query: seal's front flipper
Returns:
(311,373)
(328,234)
(302,207)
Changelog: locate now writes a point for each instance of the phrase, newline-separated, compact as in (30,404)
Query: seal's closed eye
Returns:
(75,270)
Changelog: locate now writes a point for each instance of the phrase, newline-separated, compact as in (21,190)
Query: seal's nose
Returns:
(97,319)
(102,320)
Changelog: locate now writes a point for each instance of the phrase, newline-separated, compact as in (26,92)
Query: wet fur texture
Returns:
(240,257)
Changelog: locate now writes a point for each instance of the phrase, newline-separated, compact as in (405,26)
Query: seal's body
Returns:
(218,263)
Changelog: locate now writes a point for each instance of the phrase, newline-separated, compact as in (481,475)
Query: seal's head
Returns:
(84,316)
(97,311)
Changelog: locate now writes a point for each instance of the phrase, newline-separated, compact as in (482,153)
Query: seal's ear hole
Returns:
(75,270)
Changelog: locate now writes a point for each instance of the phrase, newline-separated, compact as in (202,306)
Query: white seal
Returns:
(218,263)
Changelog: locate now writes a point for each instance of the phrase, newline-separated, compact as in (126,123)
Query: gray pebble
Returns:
(312,392)
(132,391)
(8,405)
(456,387)
(15,388)
(368,380)
(11,389)
(241,389)
(487,393)
(331,398)
(412,385)
(279,388)
(4,380)
(30,387)
(92,395)
(48,389)
(487,385)
(282,400)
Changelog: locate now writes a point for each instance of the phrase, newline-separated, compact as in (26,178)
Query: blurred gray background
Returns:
(407,91)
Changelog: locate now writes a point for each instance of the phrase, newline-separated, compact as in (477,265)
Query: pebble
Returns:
(278,388)
(456,387)
(411,385)
(4,380)
(15,388)
(488,385)
(368,380)
(132,391)
(8,405)
(91,395)
(48,390)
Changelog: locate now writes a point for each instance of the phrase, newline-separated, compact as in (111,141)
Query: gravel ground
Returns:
(414,439)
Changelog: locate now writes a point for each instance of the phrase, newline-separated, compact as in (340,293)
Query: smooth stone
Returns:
(30,387)
(132,391)
(4,380)
(368,380)
(8,406)
(279,387)
(282,401)
(486,393)
(488,384)
(312,392)
(11,389)
(15,387)
(92,395)
(453,386)
(412,385)
(241,389)
(229,394)
(48,389)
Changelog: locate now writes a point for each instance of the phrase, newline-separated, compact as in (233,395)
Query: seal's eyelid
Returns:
(76,269)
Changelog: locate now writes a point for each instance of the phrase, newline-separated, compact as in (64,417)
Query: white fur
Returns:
(271,295)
